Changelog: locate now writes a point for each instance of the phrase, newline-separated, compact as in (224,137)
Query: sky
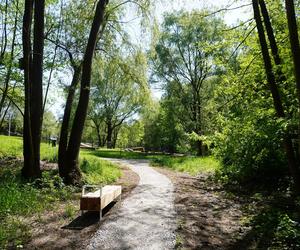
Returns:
(161,6)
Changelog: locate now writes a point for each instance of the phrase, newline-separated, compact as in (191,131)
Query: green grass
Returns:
(12,147)
(117,153)
(19,200)
(97,171)
(188,164)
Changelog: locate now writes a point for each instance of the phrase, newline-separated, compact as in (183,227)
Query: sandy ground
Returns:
(146,219)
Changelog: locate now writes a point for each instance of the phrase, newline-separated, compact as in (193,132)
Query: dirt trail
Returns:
(145,220)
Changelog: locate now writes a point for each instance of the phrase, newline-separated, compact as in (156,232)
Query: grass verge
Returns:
(20,201)
(191,165)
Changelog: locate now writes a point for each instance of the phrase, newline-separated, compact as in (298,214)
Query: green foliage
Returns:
(19,200)
(70,211)
(274,229)
(185,61)
(13,233)
(120,92)
(250,148)
(163,130)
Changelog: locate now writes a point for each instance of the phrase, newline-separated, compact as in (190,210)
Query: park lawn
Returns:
(94,169)
(119,154)
(189,164)
(12,147)
(20,200)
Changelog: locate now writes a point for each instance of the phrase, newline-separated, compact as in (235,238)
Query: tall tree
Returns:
(33,81)
(120,92)
(295,47)
(184,57)
(70,169)
(292,161)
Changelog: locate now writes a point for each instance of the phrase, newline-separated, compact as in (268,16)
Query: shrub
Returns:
(250,149)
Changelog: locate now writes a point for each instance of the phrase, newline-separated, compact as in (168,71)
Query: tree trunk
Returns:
(275,94)
(72,165)
(29,170)
(199,148)
(64,131)
(98,135)
(37,79)
(272,40)
(109,134)
(115,136)
(295,47)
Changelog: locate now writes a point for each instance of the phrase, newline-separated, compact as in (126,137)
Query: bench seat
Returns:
(99,199)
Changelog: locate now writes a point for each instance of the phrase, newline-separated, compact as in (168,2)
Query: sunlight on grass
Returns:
(96,170)
(118,153)
(19,199)
(11,146)
(191,165)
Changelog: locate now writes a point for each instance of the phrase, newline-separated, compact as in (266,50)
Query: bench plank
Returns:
(92,201)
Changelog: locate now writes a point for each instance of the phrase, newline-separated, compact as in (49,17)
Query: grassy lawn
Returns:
(118,153)
(189,164)
(20,200)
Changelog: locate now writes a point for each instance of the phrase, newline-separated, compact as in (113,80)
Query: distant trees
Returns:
(185,61)
(120,91)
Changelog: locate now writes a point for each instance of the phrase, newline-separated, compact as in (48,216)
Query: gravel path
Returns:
(146,219)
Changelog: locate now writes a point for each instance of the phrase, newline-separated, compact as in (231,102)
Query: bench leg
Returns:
(82,212)
(100,214)
(120,199)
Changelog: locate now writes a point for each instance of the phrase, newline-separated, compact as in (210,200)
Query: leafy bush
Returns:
(274,229)
(250,148)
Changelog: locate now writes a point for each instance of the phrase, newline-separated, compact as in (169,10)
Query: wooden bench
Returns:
(100,198)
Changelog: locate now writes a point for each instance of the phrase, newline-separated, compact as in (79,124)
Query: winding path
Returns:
(146,219)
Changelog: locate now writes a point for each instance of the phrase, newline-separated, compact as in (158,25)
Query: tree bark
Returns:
(292,162)
(295,47)
(37,79)
(273,44)
(72,165)
(199,148)
(64,132)
(29,170)
(98,134)
(109,134)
